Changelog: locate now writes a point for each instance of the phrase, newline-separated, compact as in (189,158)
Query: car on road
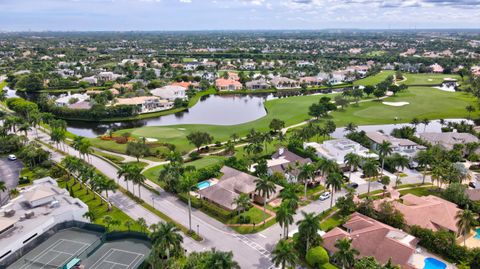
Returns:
(474,185)
(324,196)
(12,157)
(352,185)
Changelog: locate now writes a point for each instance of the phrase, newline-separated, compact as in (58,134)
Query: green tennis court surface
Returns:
(124,254)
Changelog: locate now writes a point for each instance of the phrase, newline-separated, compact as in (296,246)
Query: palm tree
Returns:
(77,143)
(307,172)
(284,217)
(3,187)
(124,171)
(142,224)
(353,162)
(284,255)
(242,202)
(466,220)
(290,197)
(90,216)
(345,254)
(415,122)
(136,176)
(128,223)
(470,109)
(370,169)
(384,150)
(264,187)
(334,181)
(351,127)
(425,122)
(424,159)
(400,162)
(187,184)
(108,221)
(167,238)
(221,260)
(309,226)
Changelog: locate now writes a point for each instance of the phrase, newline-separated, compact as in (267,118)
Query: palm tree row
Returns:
(133,173)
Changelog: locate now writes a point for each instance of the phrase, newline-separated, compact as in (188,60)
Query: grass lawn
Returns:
(328,266)
(251,229)
(331,222)
(375,79)
(424,102)
(255,214)
(141,164)
(427,79)
(114,158)
(100,210)
(3,84)
(420,191)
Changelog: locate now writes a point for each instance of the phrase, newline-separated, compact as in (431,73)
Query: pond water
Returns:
(212,109)
(433,126)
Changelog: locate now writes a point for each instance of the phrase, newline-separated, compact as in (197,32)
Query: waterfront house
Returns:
(284,83)
(402,146)
(170,92)
(337,149)
(65,101)
(145,104)
(311,81)
(259,84)
(228,85)
(448,140)
(286,163)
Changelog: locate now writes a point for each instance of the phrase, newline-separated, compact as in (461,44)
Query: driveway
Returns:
(9,173)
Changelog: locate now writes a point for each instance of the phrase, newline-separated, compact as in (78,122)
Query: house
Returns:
(285,162)
(305,64)
(191,66)
(81,105)
(259,84)
(170,92)
(228,85)
(430,212)
(337,149)
(230,186)
(402,146)
(90,80)
(145,104)
(311,81)
(338,77)
(448,140)
(436,68)
(374,239)
(107,76)
(284,83)
(70,99)
(33,212)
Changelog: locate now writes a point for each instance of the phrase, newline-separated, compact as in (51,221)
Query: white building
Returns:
(91,80)
(145,104)
(401,146)
(35,211)
(108,76)
(337,149)
(170,92)
(65,101)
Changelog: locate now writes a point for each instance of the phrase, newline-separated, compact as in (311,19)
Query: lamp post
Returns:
(198,230)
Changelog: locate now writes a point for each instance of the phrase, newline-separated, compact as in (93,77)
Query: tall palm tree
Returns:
(307,172)
(334,181)
(370,169)
(284,217)
(425,122)
(221,260)
(309,226)
(89,215)
(264,187)
(77,143)
(400,162)
(128,223)
(345,254)
(424,159)
(142,224)
(3,187)
(415,122)
(384,150)
(167,238)
(187,184)
(289,196)
(124,171)
(284,255)
(242,202)
(466,220)
(137,178)
(352,160)
(470,109)
(351,127)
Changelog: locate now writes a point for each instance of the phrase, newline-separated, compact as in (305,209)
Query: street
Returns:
(9,173)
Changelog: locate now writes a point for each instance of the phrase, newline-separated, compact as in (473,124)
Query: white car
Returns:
(12,157)
(324,196)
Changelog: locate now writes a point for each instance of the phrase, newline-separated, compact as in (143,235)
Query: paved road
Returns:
(9,173)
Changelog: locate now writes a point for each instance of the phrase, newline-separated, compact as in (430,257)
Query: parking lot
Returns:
(9,173)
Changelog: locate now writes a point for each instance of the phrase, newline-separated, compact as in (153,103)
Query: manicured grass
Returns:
(330,223)
(419,191)
(114,158)
(255,214)
(141,164)
(427,79)
(256,229)
(3,84)
(425,102)
(328,266)
(375,79)
(99,208)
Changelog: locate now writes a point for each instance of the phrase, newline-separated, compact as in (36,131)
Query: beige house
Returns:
(145,104)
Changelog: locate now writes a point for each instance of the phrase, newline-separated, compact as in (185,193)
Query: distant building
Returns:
(146,104)
(65,101)
(259,84)
(337,149)
(436,68)
(37,209)
(107,76)
(285,162)
(284,83)
(311,81)
(170,92)
(448,140)
(402,146)
(228,85)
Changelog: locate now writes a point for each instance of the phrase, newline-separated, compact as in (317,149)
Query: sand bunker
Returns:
(396,103)
(148,139)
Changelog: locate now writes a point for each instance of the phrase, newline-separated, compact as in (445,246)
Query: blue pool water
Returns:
(204,184)
(432,263)
(477,235)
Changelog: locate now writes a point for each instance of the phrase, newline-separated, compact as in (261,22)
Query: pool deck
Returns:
(418,259)
(471,241)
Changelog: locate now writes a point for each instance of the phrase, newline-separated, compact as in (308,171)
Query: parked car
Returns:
(12,157)
(474,185)
(324,196)
(352,185)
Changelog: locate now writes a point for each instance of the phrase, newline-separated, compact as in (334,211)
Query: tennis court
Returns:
(58,250)
(124,254)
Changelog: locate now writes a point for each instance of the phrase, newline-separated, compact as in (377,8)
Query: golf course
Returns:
(423,102)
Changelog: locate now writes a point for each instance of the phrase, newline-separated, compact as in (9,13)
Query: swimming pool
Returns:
(204,184)
(477,234)
(432,263)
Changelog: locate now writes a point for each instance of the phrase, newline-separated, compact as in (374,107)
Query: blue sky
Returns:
(124,15)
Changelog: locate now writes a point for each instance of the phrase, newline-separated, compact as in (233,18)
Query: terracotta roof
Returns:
(373,238)
(429,212)
(448,140)
(184,84)
(221,82)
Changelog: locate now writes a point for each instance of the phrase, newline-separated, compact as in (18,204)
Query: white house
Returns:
(36,210)
(91,80)
(401,146)
(337,149)
(65,101)
(145,104)
(170,92)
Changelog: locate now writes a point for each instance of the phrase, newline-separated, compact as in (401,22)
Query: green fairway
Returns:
(154,172)
(375,79)
(412,79)
(425,102)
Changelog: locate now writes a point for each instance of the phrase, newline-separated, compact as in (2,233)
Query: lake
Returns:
(212,109)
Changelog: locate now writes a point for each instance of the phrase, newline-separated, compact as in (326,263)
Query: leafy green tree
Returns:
(242,202)
(466,221)
(470,109)
(368,90)
(31,82)
(199,138)
(284,255)
(317,257)
(334,182)
(308,235)
(90,216)
(221,260)
(367,263)
(264,187)
(167,240)
(284,217)
(137,149)
(276,125)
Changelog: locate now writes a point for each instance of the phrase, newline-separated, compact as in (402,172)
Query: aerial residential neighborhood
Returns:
(240,134)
